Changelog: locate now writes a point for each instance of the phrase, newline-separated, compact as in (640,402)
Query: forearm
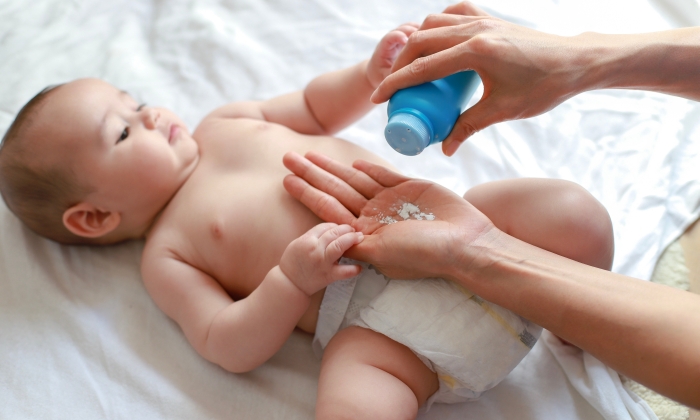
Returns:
(339,98)
(667,62)
(247,333)
(648,332)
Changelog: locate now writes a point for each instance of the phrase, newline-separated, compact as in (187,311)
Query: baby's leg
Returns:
(556,215)
(366,375)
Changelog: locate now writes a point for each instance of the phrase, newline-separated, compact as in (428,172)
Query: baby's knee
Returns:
(587,224)
(354,410)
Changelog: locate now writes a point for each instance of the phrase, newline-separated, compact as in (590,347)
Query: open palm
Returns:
(392,210)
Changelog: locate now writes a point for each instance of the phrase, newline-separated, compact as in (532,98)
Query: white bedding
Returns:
(81,339)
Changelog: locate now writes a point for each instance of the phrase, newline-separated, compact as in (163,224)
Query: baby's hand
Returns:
(387,50)
(311,261)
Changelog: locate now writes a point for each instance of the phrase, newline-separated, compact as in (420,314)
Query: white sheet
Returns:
(82,339)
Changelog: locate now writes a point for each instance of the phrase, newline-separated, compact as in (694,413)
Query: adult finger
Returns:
(464,8)
(440,20)
(326,207)
(336,248)
(365,250)
(380,174)
(358,180)
(325,181)
(476,118)
(425,69)
(425,42)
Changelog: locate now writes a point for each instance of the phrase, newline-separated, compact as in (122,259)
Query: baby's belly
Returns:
(246,217)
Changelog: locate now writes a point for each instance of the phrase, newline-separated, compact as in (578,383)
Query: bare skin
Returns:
(633,326)
(527,72)
(234,259)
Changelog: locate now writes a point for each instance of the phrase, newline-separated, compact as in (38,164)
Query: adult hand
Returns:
(370,199)
(524,72)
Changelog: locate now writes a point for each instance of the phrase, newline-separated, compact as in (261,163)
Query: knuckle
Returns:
(482,44)
(334,184)
(419,67)
(467,126)
(323,203)
(461,8)
(485,25)
(414,39)
(431,21)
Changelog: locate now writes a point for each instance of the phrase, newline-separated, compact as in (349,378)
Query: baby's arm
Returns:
(331,101)
(240,336)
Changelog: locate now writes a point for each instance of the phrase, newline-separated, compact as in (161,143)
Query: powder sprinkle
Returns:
(406,211)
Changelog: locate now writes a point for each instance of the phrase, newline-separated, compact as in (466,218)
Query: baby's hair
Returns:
(37,194)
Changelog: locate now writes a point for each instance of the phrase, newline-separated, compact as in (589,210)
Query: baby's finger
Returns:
(337,247)
(342,271)
(408,28)
(331,235)
(320,229)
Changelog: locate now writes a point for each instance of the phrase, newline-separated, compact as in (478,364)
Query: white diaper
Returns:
(471,344)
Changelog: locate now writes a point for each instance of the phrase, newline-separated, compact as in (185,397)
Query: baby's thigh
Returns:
(366,375)
(557,215)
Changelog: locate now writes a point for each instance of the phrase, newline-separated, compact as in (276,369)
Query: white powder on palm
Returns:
(387,220)
(409,209)
(406,211)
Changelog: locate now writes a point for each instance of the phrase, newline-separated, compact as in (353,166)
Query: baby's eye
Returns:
(124,135)
(140,107)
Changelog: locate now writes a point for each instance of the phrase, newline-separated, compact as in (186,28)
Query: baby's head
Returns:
(84,163)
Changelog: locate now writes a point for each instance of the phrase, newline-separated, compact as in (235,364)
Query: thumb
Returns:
(476,118)
(364,251)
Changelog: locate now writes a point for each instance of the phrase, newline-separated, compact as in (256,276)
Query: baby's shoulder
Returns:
(166,239)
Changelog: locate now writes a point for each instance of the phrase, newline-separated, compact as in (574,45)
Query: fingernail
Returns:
(360,237)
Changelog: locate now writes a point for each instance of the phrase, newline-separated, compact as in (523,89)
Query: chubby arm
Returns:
(240,336)
(331,101)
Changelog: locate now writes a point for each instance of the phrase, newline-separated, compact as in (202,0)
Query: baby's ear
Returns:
(84,219)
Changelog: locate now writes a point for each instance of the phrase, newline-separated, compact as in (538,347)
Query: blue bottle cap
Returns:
(407,133)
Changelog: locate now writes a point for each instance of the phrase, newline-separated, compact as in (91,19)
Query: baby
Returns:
(238,263)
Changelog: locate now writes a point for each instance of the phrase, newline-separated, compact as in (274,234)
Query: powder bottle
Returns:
(425,114)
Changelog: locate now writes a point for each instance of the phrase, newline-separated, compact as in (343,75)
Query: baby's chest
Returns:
(239,224)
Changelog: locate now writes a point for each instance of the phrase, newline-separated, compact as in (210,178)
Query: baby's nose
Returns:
(150,118)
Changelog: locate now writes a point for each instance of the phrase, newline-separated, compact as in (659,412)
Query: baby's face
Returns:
(134,156)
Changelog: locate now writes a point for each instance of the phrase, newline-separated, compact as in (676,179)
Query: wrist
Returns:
(473,256)
(594,62)
(371,80)
(289,286)
(659,61)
